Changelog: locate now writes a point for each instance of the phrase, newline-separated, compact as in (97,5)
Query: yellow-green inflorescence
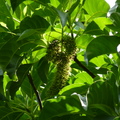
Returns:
(60,53)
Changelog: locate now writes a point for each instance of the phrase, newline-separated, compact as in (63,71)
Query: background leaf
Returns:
(102,45)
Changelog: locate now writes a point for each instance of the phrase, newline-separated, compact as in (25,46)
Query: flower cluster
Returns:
(61,53)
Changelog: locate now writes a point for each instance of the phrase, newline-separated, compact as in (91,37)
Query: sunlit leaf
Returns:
(96,8)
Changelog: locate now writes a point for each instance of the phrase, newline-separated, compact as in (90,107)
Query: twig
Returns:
(83,67)
(35,90)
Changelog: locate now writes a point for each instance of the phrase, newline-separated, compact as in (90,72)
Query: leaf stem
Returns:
(83,67)
(35,90)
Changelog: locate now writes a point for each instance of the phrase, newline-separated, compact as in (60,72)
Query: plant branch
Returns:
(35,90)
(83,67)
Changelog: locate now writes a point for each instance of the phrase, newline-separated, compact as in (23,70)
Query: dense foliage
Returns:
(59,60)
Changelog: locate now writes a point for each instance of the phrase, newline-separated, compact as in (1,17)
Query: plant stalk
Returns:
(35,90)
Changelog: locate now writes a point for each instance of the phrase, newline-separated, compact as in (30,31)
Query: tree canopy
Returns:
(59,60)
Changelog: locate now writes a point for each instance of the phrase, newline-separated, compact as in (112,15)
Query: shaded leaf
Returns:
(15,3)
(102,45)
(8,114)
(43,68)
(26,33)
(100,93)
(13,64)
(60,106)
(13,86)
(26,88)
(93,29)
(34,22)
(5,15)
(106,109)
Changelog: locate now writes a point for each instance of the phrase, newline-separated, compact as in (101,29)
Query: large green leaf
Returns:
(74,88)
(100,96)
(22,72)
(60,106)
(34,22)
(102,45)
(27,33)
(106,109)
(83,40)
(26,88)
(96,8)
(116,25)
(13,64)
(9,114)
(93,29)
(42,69)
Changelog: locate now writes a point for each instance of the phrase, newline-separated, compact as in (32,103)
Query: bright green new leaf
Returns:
(96,8)
(74,88)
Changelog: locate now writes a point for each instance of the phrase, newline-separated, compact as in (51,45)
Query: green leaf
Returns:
(93,29)
(15,3)
(60,106)
(43,68)
(73,7)
(102,45)
(13,64)
(117,118)
(43,1)
(100,93)
(26,88)
(102,22)
(84,78)
(116,25)
(104,117)
(63,16)
(8,114)
(26,33)
(1,83)
(3,29)
(83,40)
(96,8)
(106,109)
(5,15)
(34,22)
(74,88)
(22,72)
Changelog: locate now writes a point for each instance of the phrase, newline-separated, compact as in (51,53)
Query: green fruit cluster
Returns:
(61,53)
